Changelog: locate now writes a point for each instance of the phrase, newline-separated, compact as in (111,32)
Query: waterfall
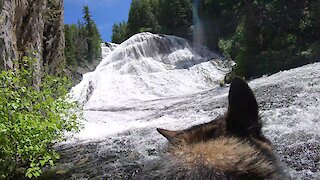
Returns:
(149,66)
(198,29)
(152,81)
(106,48)
(147,52)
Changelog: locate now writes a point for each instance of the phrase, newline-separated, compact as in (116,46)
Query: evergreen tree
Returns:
(96,42)
(119,32)
(70,49)
(175,17)
(81,44)
(261,36)
(141,17)
(82,41)
(89,29)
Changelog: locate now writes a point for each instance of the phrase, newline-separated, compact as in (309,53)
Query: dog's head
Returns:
(241,120)
(231,145)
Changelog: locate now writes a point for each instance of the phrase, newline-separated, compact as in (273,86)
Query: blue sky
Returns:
(104,12)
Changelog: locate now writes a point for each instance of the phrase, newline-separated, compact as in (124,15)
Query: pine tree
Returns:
(70,49)
(82,41)
(119,32)
(142,17)
(89,31)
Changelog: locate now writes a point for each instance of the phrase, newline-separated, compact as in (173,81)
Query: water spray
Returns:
(198,31)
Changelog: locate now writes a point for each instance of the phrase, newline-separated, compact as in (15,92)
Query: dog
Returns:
(229,147)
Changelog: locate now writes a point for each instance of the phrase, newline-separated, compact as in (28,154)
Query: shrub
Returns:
(32,119)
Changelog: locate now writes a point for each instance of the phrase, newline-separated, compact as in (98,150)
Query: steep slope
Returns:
(106,48)
(117,142)
(27,26)
(139,87)
(77,72)
(147,67)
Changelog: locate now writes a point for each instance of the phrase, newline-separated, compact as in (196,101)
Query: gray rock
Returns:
(28,26)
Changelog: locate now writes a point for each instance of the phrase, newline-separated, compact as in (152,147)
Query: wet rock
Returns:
(289,111)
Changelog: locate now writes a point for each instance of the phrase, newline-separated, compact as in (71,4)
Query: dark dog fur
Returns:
(229,147)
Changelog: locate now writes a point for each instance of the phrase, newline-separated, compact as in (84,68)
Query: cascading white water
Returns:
(149,66)
(146,53)
(152,81)
(106,48)
(146,67)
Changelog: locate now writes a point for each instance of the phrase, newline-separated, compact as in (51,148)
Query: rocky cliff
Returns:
(29,26)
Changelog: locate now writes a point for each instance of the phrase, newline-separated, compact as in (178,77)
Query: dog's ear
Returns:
(242,117)
(170,135)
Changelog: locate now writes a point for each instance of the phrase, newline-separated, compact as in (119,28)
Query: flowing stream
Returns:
(152,81)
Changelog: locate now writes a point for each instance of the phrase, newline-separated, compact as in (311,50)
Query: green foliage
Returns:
(93,36)
(157,16)
(261,36)
(119,32)
(269,36)
(70,48)
(141,16)
(175,17)
(32,119)
(226,47)
(82,41)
